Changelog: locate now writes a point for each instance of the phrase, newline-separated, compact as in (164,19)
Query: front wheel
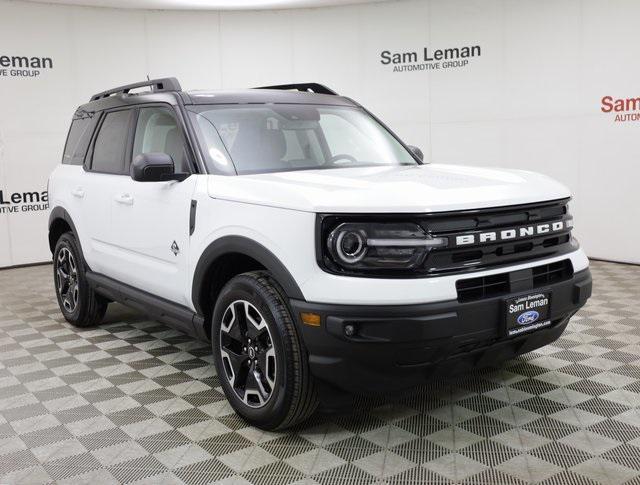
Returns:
(261,362)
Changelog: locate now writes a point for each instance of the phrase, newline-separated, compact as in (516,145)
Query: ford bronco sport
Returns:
(316,251)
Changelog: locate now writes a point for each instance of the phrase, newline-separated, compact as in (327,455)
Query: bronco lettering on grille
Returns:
(513,233)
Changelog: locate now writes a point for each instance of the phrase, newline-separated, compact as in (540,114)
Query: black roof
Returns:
(168,90)
(261,96)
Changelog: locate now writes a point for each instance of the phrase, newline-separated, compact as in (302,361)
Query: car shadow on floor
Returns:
(358,412)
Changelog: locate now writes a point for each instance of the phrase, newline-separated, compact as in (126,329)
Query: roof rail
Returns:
(305,87)
(164,84)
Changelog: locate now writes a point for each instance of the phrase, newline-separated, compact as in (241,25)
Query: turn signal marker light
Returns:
(311,319)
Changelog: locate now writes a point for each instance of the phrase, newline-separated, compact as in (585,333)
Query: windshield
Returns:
(282,137)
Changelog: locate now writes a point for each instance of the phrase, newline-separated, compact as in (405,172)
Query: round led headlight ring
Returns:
(350,246)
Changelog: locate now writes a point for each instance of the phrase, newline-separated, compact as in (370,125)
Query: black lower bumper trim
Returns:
(399,346)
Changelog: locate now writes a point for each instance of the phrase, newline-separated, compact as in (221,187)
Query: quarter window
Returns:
(109,148)
(78,140)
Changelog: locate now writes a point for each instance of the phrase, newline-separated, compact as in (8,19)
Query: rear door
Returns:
(150,220)
(105,174)
(67,183)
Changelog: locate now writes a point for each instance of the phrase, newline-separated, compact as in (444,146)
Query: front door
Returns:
(150,220)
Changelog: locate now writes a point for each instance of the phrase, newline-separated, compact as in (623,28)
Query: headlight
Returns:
(350,245)
(362,247)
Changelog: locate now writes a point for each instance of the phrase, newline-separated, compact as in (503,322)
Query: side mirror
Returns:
(154,167)
(416,152)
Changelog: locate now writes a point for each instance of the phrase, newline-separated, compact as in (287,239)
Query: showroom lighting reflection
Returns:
(208,4)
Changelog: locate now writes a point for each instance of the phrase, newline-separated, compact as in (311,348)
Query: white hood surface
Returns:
(424,188)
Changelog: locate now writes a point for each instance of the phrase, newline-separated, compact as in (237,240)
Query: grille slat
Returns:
(482,287)
(552,273)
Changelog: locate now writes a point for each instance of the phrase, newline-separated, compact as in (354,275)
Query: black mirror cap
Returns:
(152,167)
(416,152)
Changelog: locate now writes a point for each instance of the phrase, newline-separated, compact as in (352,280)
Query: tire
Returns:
(79,304)
(278,390)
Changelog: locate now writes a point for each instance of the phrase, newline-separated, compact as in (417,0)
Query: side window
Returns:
(157,131)
(78,139)
(109,147)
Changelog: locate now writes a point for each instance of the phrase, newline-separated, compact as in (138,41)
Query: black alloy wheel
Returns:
(261,361)
(248,355)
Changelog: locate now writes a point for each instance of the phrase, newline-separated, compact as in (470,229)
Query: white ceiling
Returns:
(207,4)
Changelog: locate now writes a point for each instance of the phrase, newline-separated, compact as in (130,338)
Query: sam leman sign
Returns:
(430,60)
(23,66)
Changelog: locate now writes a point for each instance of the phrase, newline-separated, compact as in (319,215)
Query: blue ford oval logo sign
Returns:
(528,317)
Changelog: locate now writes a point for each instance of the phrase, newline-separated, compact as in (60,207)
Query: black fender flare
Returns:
(61,213)
(247,247)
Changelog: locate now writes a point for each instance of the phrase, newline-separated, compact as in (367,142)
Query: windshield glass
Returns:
(281,137)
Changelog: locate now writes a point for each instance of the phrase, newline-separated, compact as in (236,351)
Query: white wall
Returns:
(531,100)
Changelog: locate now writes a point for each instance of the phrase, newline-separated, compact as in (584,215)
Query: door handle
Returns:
(78,192)
(124,199)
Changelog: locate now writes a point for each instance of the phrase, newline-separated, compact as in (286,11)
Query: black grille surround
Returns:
(461,259)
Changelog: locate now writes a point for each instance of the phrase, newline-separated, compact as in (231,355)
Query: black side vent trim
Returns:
(192,217)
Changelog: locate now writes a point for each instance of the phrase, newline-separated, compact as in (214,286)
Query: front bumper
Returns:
(400,346)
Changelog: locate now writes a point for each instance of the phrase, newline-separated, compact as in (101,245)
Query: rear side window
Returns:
(78,139)
(109,147)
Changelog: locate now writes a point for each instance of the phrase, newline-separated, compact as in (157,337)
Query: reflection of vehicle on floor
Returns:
(315,250)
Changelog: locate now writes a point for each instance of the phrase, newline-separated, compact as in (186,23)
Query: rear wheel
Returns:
(78,303)
(261,361)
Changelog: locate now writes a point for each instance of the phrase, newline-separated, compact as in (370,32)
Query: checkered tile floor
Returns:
(134,401)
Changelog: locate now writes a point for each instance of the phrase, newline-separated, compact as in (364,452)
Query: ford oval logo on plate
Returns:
(525,313)
(528,317)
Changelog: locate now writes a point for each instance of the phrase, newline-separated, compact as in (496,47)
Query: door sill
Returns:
(160,309)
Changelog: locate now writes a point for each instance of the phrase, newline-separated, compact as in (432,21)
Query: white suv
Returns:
(315,250)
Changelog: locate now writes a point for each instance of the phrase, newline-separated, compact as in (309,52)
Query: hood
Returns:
(423,188)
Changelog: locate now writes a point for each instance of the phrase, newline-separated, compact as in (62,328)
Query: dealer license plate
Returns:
(527,313)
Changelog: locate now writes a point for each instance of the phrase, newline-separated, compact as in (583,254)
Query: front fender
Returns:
(247,247)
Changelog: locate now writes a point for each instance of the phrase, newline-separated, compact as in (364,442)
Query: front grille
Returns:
(482,287)
(458,259)
(469,246)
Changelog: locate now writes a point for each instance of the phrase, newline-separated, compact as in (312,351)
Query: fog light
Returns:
(311,319)
(349,330)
